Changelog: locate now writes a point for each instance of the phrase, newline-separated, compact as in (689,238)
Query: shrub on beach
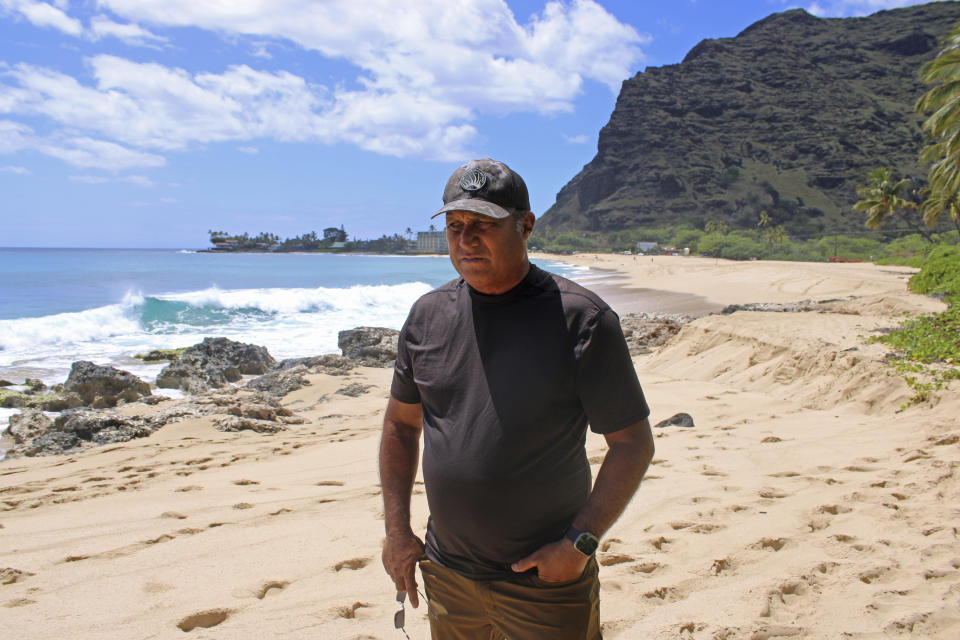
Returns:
(932,338)
(940,274)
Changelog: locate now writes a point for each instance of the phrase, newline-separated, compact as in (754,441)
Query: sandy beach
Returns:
(802,504)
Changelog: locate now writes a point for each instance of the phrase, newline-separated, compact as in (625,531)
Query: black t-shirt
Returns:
(507,384)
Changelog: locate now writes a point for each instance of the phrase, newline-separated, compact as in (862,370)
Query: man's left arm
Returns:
(629,454)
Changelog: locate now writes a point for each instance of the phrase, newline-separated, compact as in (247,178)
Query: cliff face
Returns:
(788,117)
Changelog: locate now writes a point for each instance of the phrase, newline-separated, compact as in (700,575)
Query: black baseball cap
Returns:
(486,187)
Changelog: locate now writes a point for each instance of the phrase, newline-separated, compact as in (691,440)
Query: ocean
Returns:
(107,305)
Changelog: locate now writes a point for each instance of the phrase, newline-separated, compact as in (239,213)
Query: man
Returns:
(500,372)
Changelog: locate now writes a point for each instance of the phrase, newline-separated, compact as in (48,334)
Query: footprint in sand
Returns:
(353,564)
(244,482)
(719,566)
(664,594)
(610,559)
(329,483)
(774,544)
(772,493)
(204,619)
(833,509)
(784,596)
(9,575)
(706,527)
(18,602)
(661,543)
(267,587)
(646,567)
(842,537)
(350,611)
(873,575)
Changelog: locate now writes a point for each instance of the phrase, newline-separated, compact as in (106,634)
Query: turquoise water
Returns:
(62,305)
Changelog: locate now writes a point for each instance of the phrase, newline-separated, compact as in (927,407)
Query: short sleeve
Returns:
(403,387)
(607,383)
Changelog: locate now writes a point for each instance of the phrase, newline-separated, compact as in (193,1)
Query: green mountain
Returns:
(787,117)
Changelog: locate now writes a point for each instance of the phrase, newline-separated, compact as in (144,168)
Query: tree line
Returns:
(330,239)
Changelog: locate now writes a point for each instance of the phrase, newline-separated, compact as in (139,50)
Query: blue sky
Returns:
(144,123)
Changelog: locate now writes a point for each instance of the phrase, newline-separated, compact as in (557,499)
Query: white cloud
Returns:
(104,27)
(260,51)
(140,181)
(41,14)
(249,150)
(14,136)
(97,154)
(20,171)
(425,72)
(77,150)
(580,139)
(463,57)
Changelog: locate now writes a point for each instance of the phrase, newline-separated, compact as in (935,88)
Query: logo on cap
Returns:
(473,180)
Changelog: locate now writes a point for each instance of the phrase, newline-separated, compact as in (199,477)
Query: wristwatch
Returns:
(583,541)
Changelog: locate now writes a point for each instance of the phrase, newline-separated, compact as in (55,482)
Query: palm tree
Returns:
(881,198)
(714,226)
(943,128)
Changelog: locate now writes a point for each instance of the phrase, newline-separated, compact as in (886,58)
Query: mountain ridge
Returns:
(786,117)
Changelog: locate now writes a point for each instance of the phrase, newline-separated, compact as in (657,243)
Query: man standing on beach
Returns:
(500,372)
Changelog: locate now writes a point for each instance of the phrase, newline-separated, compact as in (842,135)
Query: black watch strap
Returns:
(583,541)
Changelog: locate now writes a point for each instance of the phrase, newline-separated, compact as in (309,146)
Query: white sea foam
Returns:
(289,322)
(68,328)
(304,300)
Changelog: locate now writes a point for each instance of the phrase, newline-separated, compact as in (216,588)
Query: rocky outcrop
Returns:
(329,364)
(213,364)
(787,117)
(76,428)
(10,399)
(369,346)
(646,331)
(103,386)
(28,424)
(35,434)
(354,390)
(684,420)
(280,382)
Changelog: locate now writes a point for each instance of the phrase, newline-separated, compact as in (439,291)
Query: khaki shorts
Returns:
(524,608)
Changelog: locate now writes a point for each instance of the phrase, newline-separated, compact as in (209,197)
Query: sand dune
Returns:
(802,504)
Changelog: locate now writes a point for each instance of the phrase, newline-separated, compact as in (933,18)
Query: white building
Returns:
(432,241)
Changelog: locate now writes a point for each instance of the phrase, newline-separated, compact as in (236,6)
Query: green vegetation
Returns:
(942,127)
(332,239)
(882,198)
(928,347)
(769,242)
(161,355)
(223,241)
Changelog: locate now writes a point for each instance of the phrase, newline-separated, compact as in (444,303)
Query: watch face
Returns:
(587,543)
